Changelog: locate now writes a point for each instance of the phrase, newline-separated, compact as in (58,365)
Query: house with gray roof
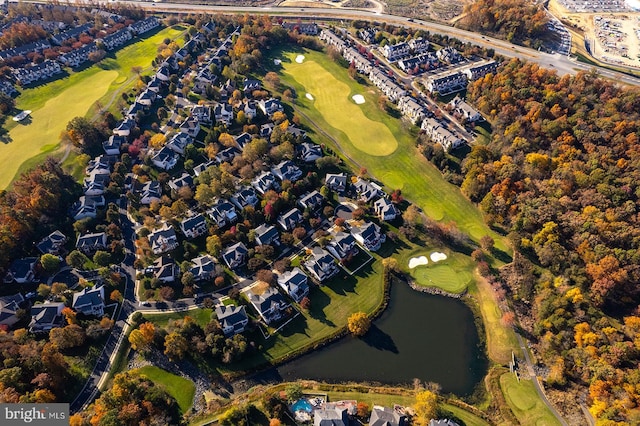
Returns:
(203,268)
(227,155)
(9,307)
(440,134)
(442,422)
(321,265)
(163,240)
(182,181)
(289,220)
(194,226)
(233,319)
(245,197)
(267,234)
(385,416)
(190,126)
(294,283)
(369,235)
(164,269)
(342,246)
(309,152)
(270,106)
(264,182)
(333,416)
(311,201)
(46,316)
(286,170)
(464,110)
(235,256)
(165,158)
(89,301)
(385,209)
(367,191)
(144,25)
(112,145)
(148,192)
(90,243)
(179,142)
(52,243)
(223,213)
(412,109)
(336,182)
(271,305)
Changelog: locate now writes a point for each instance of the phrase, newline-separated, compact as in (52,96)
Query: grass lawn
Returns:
(178,387)
(525,403)
(404,168)
(501,340)
(201,316)
(56,103)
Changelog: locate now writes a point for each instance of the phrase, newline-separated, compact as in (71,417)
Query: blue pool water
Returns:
(302,405)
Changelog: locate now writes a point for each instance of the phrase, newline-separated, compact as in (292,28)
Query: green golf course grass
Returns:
(405,168)
(525,403)
(452,274)
(54,104)
(178,387)
(200,316)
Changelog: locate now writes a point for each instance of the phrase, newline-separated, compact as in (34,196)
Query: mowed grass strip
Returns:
(200,316)
(332,99)
(525,402)
(178,387)
(405,168)
(42,132)
(452,274)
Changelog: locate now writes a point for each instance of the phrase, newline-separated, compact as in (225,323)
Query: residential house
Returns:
(394,52)
(294,283)
(385,209)
(81,210)
(367,191)
(148,192)
(136,110)
(223,213)
(264,182)
(321,265)
(194,226)
(449,55)
(267,234)
(112,145)
(336,182)
(227,155)
(301,27)
(183,181)
(249,85)
(368,34)
(124,128)
(286,170)
(116,39)
(250,109)
(9,307)
(333,416)
(209,27)
(384,416)
(197,170)
(164,72)
(266,130)
(245,197)
(440,134)
(46,316)
(203,268)
(163,240)
(202,113)
(478,71)
(77,57)
(147,98)
(22,270)
(311,201)
(144,25)
(25,49)
(418,45)
(7,88)
(52,243)
(332,39)
(387,85)
(424,61)
(91,243)
(233,319)
(362,63)
(75,32)
(369,235)
(33,73)
(203,80)
(270,106)
(309,152)
(343,246)
(165,158)
(164,269)
(271,305)
(89,301)
(154,84)
(289,220)
(235,256)
(447,82)
(442,422)
(243,139)
(190,126)
(411,109)
(179,142)
(223,113)
(466,111)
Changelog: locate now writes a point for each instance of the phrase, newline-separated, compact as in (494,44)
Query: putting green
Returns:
(34,136)
(332,98)
(524,401)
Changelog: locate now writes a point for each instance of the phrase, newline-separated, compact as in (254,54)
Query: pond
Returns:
(432,338)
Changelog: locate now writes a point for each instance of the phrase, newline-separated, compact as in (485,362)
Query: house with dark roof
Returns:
(270,106)
(46,316)
(296,132)
(250,108)
(235,256)
(202,113)
(342,246)
(477,71)
(311,201)
(245,197)
(194,226)
(203,268)
(81,210)
(233,319)
(116,39)
(333,416)
(124,128)
(294,283)
(367,191)
(164,269)
(190,126)
(182,181)
(197,170)
(163,240)
(223,213)
(63,36)
(286,170)
(264,182)
(249,85)
(90,243)
(321,265)
(144,25)
(384,416)
(307,28)
(393,52)
(223,113)
(336,182)
(89,301)
(289,220)
(227,155)
(369,235)
(9,306)
(165,158)
(33,73)
(309,152)
(179,142)
(267,234)
(385,209)
(243,139)
(79,56)
(112,145)
(266,130)
(148,192)
(52,243)
(271,305)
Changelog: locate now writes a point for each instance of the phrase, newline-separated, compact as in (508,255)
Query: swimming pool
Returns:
(302,405)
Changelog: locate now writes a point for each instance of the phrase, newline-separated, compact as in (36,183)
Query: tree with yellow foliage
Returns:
(425,407)
(157,141)
(358,324)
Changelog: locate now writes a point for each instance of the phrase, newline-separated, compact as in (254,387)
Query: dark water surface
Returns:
(432,338)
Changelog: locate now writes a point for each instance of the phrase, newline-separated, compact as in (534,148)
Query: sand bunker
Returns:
(359,99)
(436,256)
(309,96)
(300,59)
(277,62)
(417,261)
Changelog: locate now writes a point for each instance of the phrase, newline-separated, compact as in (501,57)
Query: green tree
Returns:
(50,263)
(101,258)
(76,259)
